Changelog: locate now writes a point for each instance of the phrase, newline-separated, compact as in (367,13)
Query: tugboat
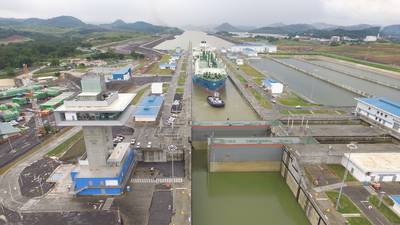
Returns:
(215,101)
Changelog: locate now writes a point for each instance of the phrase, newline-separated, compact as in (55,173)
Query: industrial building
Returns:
(53,103)
(122,74)
(149,109)
(171,66)
(381,111)
(273,86)
(257,47)
(373,167)
(105,169)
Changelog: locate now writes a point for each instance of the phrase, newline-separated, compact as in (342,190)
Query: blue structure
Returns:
(380,110)
(209,85)
(112,183)
(149,109)
(122,74)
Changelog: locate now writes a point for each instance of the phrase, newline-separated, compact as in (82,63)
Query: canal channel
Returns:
(232,198)
(343,79)
(317,90)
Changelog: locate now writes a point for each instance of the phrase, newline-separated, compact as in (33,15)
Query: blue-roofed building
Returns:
(396,201)
(273,86)
(122,74)
(149,109)
(380,110)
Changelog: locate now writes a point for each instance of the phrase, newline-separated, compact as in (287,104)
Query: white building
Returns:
(335,38)
(259,48)
(381,111)
(370,38)
(239,62)
(273,86)
(156,88)
(373,167)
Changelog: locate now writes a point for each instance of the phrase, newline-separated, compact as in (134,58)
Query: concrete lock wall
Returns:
(292,178)
(244,158)
(202,133)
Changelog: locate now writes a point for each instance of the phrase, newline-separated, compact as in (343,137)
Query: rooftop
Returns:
(119,152)
(395,198)
(376,162)
(151,100)
(118,105)
(383,104)
(6,128)
(122,70)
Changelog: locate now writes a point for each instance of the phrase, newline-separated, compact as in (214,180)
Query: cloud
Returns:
(363,11)
(182,12)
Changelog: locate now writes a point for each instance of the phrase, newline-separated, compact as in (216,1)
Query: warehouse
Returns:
(257,47)
(380,110)
(53,103)
(122,74)
(149,109)
(273,86)
(373,167)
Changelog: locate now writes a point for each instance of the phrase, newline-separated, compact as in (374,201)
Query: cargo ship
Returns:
(209,72)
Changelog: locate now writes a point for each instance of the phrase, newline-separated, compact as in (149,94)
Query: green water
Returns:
(236,107)
(241,198)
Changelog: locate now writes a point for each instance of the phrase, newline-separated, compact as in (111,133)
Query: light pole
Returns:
(352,146)
(172,150)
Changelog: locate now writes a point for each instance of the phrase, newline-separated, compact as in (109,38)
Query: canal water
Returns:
(195,37)
(356,70)
(236,107)
(241,198)
(233,198)
(318,91)
(343,79)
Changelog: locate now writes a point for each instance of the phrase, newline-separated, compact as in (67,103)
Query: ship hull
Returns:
(208,85)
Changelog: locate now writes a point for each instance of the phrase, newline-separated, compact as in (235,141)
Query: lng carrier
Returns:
(209,73)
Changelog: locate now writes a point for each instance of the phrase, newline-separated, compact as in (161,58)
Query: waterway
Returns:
(236,107)
(360,84)
(318,91)
(356,70)
(241,198)
(195,37)
(233,198)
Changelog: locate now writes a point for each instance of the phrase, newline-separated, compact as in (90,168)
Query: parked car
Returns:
(133,141)
(149,144)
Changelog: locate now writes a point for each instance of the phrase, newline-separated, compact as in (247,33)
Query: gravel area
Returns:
(8,217)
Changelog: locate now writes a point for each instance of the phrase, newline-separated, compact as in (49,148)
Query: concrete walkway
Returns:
(329,187)
(9,187)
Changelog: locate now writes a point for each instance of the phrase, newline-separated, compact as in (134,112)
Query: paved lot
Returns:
(161,208)
(32,180)
(359,196)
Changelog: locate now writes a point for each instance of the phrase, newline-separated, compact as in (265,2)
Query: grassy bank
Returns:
(346,205)
(253,73)
(339,170)
(292,99)
(263,101)
(60,149)
(139,95)
(385,210)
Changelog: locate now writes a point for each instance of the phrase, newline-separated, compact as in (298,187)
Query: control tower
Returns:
(105,168)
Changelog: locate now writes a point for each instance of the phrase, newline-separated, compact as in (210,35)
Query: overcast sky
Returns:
(203,12)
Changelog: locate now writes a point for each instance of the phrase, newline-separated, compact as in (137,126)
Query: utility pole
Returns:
(352,146)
